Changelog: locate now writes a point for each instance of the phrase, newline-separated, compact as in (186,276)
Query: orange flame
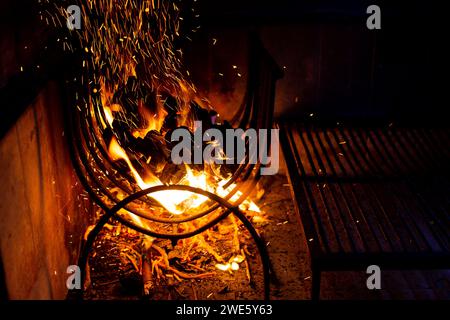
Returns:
(179,201)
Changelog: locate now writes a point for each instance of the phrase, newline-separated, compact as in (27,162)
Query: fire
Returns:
(245,205)
(170,200)
(136,63)
(232,265)
(132,64)
(178,201)
(109,116)
(154,121)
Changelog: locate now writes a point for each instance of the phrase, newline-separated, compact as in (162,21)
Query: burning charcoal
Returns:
(129,98)
(171,119)
(171,104)
(121,129)
(172,173)
(198,113)
(170,122)
(152,147)
(158,142)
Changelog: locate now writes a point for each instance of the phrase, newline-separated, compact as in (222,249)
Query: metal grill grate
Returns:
(371,195)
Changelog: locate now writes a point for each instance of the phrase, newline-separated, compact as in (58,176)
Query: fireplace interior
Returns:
(87,179)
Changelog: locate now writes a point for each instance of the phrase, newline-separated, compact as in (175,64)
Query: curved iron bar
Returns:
(95,186)
(112,213)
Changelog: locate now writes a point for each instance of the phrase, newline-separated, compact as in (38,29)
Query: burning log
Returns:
(152,149)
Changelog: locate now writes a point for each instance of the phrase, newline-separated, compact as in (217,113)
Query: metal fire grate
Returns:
(371,195)
(97,172)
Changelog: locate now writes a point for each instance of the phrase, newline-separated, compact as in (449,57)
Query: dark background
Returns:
(334,66)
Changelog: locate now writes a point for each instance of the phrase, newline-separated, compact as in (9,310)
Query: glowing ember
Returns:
(233,265)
